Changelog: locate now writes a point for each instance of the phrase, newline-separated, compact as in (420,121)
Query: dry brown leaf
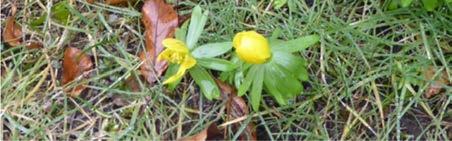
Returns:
(90,1)
(435,87)
(160,21)
(33,45)
(75,64)
(236,104)
(210,133)
(236,108)
(12,32)
(133,84)
(201,136)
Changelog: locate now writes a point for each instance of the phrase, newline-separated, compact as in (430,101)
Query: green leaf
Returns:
(292,5)
(60,11)
(172,70)
(430,5)
(303,75)
(271,85)
(182,31)
(238,77)
(277,4)
(276,33)
(216,64)
(298,44)
(205,82)
(273,91)
(256,90)
(282,80)
(393,4)
(294,64)
(405,3)
(211,50)
(247,82)
(38,22)
(197,22)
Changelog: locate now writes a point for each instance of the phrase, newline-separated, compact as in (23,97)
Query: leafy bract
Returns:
(256,89)
(216,64)
(205,82)
(296,45)
(212,50)
(197,23)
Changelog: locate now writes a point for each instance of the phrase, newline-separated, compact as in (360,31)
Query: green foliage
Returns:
(405,3)
(190,33)
(256,88)
(59,12)
(172,70)
(205,82)
(359,64)
(281,77)
(295,45)
(245,85)
(212,50)
(428,5)
(197,22)
(216,64)
(279,3)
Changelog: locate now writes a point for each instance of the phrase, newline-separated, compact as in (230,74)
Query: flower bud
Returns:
(251,47)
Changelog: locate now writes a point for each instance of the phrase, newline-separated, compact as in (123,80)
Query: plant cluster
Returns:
(258,65)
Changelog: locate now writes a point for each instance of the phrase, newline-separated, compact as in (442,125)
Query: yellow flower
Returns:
(251,47)
(176,52)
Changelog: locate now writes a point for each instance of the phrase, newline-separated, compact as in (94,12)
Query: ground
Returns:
(367,73)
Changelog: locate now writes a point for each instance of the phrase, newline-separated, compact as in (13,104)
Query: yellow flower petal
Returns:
(180,73)
(184,66)
(175,45)
(252,47)
(188,62)
(164,55)
(237,39)
(176,52)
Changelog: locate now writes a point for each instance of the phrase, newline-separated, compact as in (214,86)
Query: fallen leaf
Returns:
(210,133)
(13,32)
(201,136)
(237,105)
(75,64)
(90,1)
(133,84)
(160,21)
(436,86)
(33,45)
(236,108)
